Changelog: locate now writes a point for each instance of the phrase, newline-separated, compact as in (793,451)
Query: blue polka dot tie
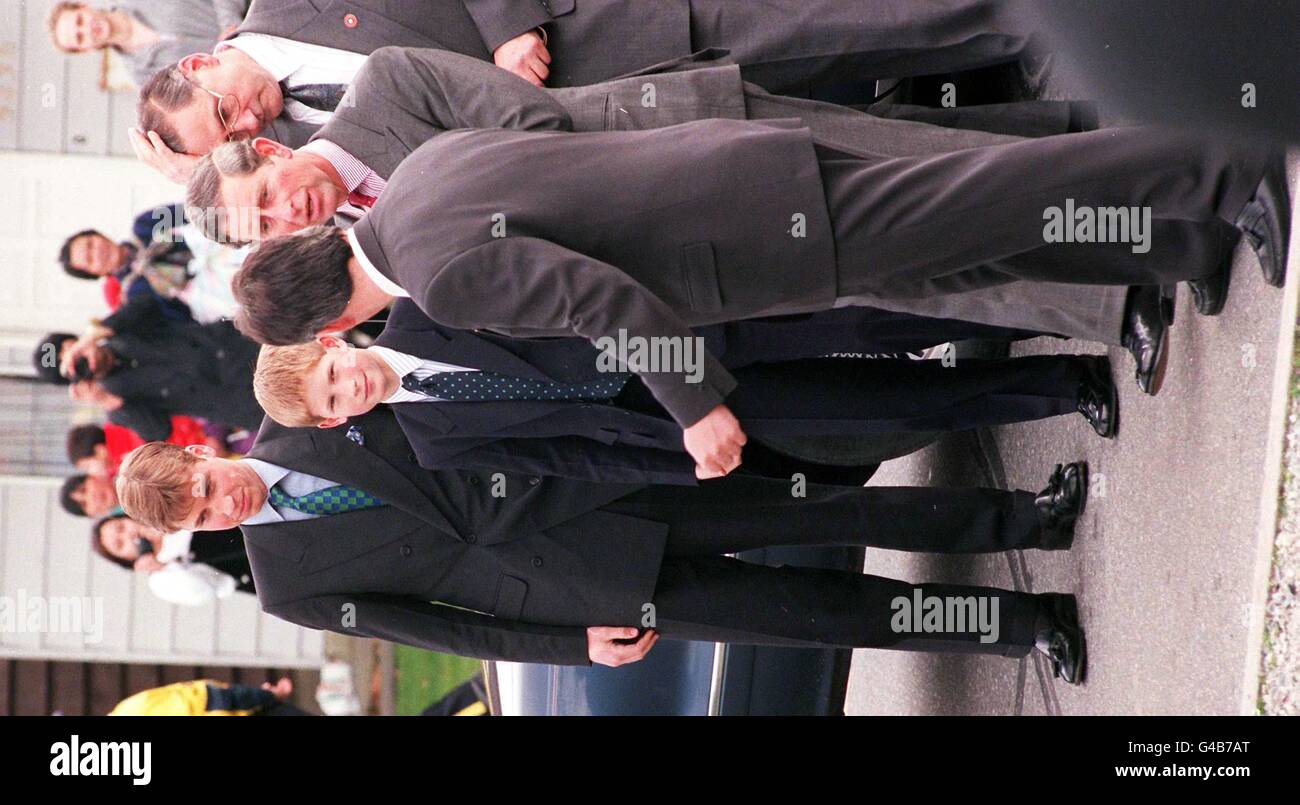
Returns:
(331,500)
(490,387)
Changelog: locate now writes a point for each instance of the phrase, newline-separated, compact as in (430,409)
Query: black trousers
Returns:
(849,396)
(947,223)
(790,46)
(702,594)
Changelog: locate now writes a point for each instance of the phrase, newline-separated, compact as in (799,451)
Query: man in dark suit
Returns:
(402,97)
(615,431)
(648,233)
(787,45)
(347,533)
(142,368)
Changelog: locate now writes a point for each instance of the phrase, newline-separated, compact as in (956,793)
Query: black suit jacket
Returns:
(519,566)
(604,442)
(167,367)
(224,550)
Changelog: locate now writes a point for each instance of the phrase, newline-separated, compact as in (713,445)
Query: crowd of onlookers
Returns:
(164,363)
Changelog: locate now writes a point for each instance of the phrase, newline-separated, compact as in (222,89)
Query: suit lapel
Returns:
(331,455)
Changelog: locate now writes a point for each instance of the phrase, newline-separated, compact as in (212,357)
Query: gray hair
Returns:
(203,202)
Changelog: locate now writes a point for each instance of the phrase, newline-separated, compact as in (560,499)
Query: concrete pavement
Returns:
(1167,559)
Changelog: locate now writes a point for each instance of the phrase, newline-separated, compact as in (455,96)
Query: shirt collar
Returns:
(376,276)
(351,170)
(270,475)
(399,362)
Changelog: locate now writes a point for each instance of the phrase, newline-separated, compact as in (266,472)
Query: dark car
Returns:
(682,677)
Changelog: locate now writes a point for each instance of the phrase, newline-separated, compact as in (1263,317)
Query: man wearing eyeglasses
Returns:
(788,46)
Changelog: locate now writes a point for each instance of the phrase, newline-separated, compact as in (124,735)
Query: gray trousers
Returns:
(1087,312)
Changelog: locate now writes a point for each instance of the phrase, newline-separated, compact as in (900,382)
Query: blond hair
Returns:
(52,20)
(155,485)
(280,383)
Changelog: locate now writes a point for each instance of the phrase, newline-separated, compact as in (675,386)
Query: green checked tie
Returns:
(330,500)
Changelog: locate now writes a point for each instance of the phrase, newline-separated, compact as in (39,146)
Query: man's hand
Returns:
(526,56)
(281,690)
(147,564)
(85,347)
(88,391)
(714,442)
(152,151)
(602,649)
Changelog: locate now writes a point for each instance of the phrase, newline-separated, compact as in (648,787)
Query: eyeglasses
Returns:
(227,111)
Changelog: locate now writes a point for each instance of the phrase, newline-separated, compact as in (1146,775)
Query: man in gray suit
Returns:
(643,234)
(264,76)
(402,97)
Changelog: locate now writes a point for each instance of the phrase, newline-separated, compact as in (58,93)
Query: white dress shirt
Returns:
(291,483)
(296,64)
(404,364)
(385,284)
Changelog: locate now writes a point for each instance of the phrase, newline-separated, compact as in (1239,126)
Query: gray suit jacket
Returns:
(404,96)
(646,233)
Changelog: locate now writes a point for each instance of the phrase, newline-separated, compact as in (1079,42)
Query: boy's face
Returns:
(346,382)
(225,493)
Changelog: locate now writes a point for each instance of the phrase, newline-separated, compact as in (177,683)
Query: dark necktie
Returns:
(324,97)
(330,500)
(490,386)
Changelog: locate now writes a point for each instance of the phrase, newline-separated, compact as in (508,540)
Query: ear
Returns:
(342,324)
(270,148)
(203,451)
(195,62)
(332,342)
(332,422)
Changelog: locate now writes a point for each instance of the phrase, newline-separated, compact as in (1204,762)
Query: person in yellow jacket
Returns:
(208,697)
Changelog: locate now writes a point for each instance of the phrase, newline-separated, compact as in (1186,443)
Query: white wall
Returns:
(48,197)
(46,552)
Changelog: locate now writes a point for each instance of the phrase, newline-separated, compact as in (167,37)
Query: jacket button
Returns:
(406,550)
(411,458)
(534,481)
(537,561)
(473,480)
(349,20)
(471,538)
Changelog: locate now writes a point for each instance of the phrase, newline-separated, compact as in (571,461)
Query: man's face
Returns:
(82,29)
(286,194)
(251,99)
(225,494)
(95,254)
(97,464)
(120,537)
(346,382)
(96,496)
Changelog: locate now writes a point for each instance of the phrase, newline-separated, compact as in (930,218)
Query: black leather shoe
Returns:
(1266,222)
(1210,293)
(1061,504)
(1061,637)
(1099,399)
(1146,336)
